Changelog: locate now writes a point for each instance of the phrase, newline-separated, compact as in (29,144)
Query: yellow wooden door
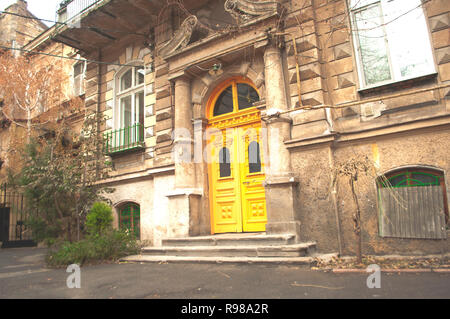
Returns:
(236,180)
(236,164)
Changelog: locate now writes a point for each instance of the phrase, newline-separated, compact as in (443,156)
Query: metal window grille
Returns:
(129,218)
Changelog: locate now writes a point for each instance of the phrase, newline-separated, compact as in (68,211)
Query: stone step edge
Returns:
(219,260)
(213,239)
(289,247)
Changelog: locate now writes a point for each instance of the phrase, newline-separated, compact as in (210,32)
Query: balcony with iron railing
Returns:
(88,25)
(70,9)
(124,139)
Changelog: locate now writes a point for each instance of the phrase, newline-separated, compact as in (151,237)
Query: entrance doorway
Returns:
(236,163)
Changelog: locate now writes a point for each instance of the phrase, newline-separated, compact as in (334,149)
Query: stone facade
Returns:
(286,49)
(18,31)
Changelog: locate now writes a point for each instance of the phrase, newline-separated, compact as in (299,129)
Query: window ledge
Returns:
(402,84)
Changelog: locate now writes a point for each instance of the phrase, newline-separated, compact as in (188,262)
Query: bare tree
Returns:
(28,89)
(351,169)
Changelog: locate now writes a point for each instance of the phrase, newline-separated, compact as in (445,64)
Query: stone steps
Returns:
(293,250)
(230,240)
(230,248)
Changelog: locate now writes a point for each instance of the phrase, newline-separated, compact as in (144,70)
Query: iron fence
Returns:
(14,217)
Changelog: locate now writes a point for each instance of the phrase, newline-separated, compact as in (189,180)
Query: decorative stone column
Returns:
(184,200)
(183,135)
(280,184)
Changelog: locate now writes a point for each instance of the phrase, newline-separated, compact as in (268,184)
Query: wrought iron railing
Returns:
(127,138)
(69,9)
(15,215)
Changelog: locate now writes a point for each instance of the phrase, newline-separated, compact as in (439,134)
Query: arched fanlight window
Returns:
(411,177)
(235,97)
(224,102)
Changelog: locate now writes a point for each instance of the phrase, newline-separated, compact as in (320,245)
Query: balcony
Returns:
(89,25)
(70,9)
(125,139)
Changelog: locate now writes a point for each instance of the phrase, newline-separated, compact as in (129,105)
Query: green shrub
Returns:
(99,219)
(110,246)
(43,231)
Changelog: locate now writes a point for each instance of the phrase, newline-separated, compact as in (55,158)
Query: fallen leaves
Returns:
(397,262)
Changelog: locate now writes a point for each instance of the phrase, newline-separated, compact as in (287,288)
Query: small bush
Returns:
(99,219)
(43,231)
(110,246)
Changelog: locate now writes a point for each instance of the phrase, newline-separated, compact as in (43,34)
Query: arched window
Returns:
(130,96)
(412,177)
(235,97)
(129,112)
(413,203)
(130,218)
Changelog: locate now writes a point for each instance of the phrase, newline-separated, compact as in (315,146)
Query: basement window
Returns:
(413,204)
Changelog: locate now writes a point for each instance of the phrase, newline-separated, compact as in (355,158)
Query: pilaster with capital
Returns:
(185,199)
(280,184)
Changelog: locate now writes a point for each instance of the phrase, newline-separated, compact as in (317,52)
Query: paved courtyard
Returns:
(24,275)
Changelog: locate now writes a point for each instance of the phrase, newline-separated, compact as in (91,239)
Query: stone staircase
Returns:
(230,248)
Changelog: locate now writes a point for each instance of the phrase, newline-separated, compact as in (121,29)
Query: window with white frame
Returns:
(391,41)
(130,98)
(78,79)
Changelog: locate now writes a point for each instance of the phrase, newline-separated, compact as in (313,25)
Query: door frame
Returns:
(252,116)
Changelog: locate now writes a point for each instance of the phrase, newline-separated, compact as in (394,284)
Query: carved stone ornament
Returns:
(181,37)
(244,10)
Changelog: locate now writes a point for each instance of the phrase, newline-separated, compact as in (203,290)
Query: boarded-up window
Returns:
(413,204)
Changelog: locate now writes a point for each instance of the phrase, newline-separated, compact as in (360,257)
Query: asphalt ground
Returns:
(23,275)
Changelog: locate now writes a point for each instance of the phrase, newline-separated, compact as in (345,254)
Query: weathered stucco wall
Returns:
(418,148)
(150,194)
(315,211)
(139,192)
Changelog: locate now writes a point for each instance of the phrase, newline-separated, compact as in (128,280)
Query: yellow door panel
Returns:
(225,182)
(252,178)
